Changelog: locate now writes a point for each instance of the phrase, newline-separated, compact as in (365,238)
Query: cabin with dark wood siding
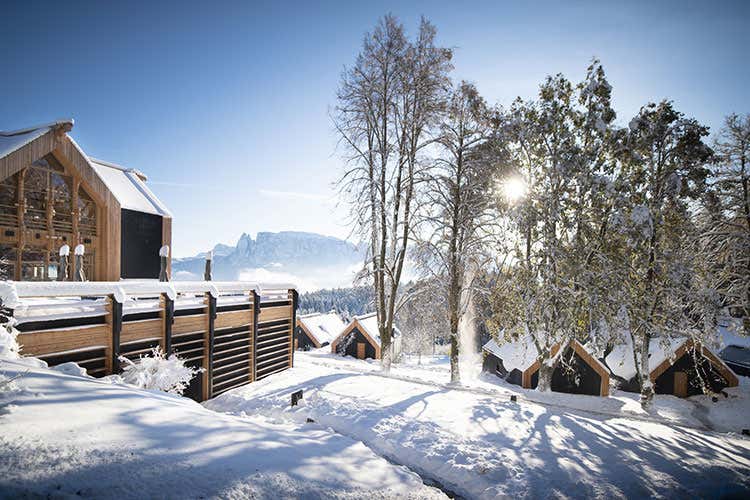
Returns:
(677,366)
(361,339)
(577,371)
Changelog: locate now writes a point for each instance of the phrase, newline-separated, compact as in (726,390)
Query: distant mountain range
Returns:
(311,261)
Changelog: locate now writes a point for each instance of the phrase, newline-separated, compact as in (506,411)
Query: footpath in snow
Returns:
(481,445)
(64,435)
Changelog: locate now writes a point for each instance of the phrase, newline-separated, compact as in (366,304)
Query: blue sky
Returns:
(224,105)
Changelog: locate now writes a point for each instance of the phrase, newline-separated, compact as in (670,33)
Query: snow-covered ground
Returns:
(65,435)
(475,442)
(728,414)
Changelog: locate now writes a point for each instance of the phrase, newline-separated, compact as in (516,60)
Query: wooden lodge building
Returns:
(54,194)
(517,362)
(317,330)
(676,366)
(361,339)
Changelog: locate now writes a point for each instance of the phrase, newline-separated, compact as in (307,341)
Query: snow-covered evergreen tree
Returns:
(662,175)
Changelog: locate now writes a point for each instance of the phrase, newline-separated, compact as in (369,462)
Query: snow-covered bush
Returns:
(158,371)
(9,348)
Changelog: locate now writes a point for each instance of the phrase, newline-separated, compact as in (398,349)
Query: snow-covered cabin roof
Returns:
(729,333)
(324,327)
(622,364)
(12,140)
(128,186)
(516,355)
(370,323)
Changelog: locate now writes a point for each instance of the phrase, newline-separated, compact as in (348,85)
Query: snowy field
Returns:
(69,436)
(476,443)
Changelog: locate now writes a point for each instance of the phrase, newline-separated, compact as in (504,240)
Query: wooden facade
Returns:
(51,195)
(236,338)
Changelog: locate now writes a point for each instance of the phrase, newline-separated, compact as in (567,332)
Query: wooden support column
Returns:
(116,322)
(167,314)
(251,340)
(254,350)
(208,349)
(295,301)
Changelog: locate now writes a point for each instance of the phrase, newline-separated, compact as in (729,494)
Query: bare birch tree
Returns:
(388,105)
(455,227)
(727,234)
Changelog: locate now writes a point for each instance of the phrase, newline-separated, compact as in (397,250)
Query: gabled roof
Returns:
(662,353)
(322,327)
(369,323)
(517,355)
(12,140)
(128,187)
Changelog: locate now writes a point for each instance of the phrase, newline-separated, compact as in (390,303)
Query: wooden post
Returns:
(163,256)
(251,340)
(207,273)
(295,302)
(168,318)
(116,331)
(209,347)
(256,317)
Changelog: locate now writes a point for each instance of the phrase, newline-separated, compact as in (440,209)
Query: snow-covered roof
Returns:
(730,333)
(128,186)
(324,327)
(370,323)
(516,355)
(622,364)
(12,140)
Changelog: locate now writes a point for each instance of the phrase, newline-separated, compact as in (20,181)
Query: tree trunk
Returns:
(545,377)
(647,389)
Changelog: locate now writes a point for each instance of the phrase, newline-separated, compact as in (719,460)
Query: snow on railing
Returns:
(12,292)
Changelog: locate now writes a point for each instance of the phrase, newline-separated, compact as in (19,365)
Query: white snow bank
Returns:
(69,436)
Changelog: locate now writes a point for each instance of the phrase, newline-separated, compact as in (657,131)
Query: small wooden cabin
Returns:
(676,367)
(317,330)
(579,372)
(361,339)
(52,194)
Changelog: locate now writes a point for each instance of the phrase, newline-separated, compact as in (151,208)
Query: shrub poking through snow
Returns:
(158,371)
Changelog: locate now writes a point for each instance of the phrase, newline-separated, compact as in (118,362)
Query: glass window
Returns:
(33,265)
(8,201)
(35,189)
(87,211)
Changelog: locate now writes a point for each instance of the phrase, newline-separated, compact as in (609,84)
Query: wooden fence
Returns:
(237,332)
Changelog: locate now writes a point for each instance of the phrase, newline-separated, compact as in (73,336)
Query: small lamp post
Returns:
(78,274)
(62,272)
(163,256)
